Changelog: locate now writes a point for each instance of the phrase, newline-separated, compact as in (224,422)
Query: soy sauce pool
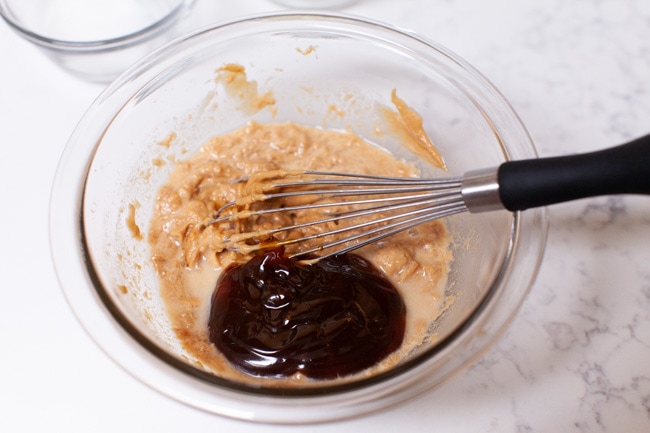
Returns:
(275,317)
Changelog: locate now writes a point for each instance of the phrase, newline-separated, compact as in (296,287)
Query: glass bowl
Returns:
(315,4)
(95,39)
(168,104)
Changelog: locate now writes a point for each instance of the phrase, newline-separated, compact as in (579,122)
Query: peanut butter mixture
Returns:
(188,256)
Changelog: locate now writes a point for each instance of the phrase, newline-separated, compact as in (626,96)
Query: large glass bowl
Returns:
(121,152)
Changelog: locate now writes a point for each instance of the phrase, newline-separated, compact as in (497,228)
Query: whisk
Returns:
(380,206)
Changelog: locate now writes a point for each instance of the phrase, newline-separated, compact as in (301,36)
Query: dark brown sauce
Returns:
(273,316)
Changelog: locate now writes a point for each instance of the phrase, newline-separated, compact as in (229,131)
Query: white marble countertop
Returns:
(575,359)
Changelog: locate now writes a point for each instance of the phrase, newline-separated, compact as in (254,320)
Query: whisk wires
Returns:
(331,213)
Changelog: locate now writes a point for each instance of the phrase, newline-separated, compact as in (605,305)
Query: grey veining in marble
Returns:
(576,358)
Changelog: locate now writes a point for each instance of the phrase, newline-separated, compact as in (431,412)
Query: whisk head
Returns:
(317,214)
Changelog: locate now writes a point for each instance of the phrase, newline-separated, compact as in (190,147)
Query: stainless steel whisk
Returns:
(388,205)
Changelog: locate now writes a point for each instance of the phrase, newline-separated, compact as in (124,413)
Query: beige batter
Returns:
(188,257)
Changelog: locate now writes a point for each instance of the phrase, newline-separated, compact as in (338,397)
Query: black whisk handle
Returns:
(623,169)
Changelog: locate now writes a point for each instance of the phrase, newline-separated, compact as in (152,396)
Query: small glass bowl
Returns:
(95,40)
(311,62)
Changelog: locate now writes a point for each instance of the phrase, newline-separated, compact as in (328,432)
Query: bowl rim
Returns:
(151,352)
(144,34)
